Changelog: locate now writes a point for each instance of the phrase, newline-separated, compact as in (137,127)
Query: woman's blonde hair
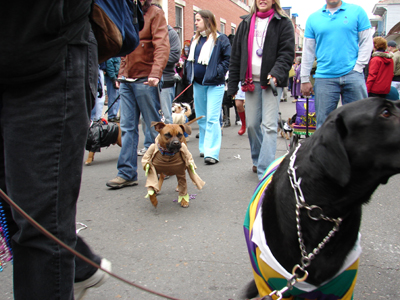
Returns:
(277,7)
(209,22)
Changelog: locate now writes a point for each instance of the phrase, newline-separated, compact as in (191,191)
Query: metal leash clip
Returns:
(162,115)
(290,283)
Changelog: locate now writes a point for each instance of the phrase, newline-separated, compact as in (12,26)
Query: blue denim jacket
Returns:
(217,66)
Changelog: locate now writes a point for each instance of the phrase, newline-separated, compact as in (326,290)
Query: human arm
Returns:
(306,65)
(365,47)
(234,63)
(225,56)
(307,60)
(175,47)
(285,53)
(161,46)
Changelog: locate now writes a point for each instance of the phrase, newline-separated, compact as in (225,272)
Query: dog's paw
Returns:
(184,203)
(154,200)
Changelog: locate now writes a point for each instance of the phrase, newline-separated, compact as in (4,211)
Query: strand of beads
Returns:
(5,249)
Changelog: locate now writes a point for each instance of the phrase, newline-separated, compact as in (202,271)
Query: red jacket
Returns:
(380,73)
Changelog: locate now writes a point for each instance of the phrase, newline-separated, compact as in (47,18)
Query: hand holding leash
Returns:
(152,81)
(272,83)
(306,89)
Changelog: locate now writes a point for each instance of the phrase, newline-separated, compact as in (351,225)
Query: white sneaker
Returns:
(96,280)
(141,152)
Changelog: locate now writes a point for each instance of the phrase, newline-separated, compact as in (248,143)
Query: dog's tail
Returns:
(194,120)
(250,291)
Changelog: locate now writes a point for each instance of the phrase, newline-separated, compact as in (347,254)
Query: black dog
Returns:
(340,166)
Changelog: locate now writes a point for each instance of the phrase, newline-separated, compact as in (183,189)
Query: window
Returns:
(233,30)
(222,27)
(179,22)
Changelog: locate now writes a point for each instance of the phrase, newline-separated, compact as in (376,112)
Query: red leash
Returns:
(73,251)
(182,92)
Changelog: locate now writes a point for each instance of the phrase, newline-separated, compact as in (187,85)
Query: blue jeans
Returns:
(350,88)
(136,99)
(44,127)
(112,95)
(167,96)
(97,110)
(262,112)
(208,102)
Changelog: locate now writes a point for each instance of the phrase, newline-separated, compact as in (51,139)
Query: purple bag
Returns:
(301,112)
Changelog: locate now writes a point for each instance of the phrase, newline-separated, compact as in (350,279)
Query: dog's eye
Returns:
(168,135)
(386,113)
(179,135)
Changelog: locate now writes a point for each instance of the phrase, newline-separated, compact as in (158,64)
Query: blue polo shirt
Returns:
(336,38)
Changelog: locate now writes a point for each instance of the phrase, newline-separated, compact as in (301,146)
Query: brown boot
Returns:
(242,116)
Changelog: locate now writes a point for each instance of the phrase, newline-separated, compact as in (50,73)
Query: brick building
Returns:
(180,14)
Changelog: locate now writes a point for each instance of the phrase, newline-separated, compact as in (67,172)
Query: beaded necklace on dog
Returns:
(5,248)
(314,213)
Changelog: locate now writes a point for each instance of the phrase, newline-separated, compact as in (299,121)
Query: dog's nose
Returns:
(176,143)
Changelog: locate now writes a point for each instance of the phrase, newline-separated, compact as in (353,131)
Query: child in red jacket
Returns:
(380,70)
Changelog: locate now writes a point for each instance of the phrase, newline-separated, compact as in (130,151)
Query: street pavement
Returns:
(200,252)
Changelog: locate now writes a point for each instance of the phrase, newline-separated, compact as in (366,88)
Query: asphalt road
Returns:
(200,252)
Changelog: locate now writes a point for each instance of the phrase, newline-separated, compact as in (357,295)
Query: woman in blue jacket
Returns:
(206,67)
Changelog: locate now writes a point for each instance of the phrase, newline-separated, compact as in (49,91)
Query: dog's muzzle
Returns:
(174,146)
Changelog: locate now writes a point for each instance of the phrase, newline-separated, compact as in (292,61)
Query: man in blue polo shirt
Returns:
(339,36)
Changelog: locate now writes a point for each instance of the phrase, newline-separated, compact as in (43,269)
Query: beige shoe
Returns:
(119,182)
(96,280)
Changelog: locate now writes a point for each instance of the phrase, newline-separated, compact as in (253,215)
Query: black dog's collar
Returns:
(164,151)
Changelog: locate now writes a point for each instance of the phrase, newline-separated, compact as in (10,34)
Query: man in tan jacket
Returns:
(140,73)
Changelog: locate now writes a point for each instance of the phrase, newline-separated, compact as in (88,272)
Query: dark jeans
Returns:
(44,126)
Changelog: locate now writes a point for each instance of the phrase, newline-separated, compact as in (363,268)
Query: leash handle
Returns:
(273,87)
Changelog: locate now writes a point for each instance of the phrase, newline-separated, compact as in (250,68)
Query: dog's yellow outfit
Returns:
(269,275)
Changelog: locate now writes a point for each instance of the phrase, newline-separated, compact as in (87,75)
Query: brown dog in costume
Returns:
(169,155)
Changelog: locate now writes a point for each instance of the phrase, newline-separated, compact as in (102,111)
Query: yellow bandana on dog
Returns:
(269,275)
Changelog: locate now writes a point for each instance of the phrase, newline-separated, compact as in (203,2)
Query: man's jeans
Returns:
(262,112)
(136,99)
(208,103)
(97,110)
(112,96)
(350,88)
(167,96)
(44,126)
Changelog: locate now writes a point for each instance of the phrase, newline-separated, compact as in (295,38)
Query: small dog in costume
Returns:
(169,155)
(302,224)
(180,115)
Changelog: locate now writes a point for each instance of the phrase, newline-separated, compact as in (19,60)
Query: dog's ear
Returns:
(158,126)
(329,152)
(186,128)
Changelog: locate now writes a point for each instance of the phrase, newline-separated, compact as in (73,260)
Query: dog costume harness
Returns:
(271,278)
